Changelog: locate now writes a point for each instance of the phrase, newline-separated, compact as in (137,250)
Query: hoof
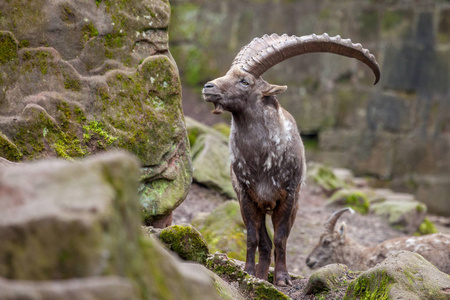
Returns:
(283,280)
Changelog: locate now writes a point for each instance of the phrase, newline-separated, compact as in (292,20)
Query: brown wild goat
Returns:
(336,247)
(267,154)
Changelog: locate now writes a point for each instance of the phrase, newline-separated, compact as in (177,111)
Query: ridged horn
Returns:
(329,226)
(265,52)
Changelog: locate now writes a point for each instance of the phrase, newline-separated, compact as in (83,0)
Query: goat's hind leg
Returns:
(265,250)
(283,219)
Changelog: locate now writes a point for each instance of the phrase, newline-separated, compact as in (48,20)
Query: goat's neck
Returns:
(354,255)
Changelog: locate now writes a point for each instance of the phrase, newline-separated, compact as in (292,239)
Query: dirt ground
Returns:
(309,225)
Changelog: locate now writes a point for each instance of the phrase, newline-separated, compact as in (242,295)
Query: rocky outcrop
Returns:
(397,130)
(82,77)
(76,226)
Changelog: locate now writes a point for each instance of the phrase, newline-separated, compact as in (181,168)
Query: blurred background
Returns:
(397,131)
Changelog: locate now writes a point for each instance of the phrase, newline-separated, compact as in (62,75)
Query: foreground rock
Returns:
(404,275)
(62,220)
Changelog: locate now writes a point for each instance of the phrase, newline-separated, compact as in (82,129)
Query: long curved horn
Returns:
(329,226)
(263,53)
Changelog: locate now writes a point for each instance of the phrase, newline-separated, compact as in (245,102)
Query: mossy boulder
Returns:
(251,286)
(324,177)
(104,80)
(62,220)
(402,211)
(186,241)
(327,278)
(210,156)
(354,198)
(211,163)
(403,275)
(224,230)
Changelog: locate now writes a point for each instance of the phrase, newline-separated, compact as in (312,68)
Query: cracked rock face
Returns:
(82,77)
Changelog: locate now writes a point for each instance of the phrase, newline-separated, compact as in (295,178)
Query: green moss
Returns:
(8,149)
(66,13)
(325,178)
(375,287)
(89,31)
(24,44)
(96,129)
(72,84)
(8,48)
(223,128)
(186,241)
(427,227)
(37,58)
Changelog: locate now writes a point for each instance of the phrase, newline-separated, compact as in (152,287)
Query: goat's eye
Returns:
(244,82)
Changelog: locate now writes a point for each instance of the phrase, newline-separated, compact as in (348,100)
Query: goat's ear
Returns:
(342,232)
(272,89)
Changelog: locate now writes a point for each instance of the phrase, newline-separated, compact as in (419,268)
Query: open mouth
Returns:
(214,98)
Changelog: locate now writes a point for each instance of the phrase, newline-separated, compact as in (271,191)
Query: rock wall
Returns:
(82,77)
(398,131)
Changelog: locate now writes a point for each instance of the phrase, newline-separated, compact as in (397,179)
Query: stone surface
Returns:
(404,275)
(102,288)
(354,198)
(210,156)
(325,279)
(402,211)
(224,230)
(325,177)
(211,163)
(61,220)
(186,241)
(82,77)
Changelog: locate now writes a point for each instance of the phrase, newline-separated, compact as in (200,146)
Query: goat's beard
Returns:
(218,109)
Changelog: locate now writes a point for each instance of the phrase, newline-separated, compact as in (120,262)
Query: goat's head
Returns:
(243,86)
(329,244)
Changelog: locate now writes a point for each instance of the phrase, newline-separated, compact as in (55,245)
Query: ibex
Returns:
(267,154)
(336,247)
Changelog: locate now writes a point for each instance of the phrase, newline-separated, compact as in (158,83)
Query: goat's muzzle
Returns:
(210,95)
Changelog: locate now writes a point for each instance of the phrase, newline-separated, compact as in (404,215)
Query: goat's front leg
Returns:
(283,218)
(252,219)
(265,250)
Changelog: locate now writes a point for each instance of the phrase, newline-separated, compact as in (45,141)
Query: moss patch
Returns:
(8,47)
(427,227)
(186,241)
(376,287)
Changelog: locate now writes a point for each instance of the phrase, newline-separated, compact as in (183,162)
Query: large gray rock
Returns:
(105,79)
(210,157)
(404,275)
(63,220)
(402,211)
